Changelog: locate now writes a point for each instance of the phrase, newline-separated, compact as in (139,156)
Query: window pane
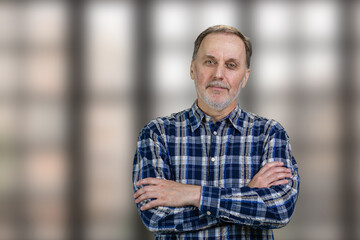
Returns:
(9,21)
(171,69)
(214,13)
(44,182)
(172,20)
(319,21)
(9,70)
(109,51)
(44,124)
(45,72)
(45,23)
(319,69)
(274,70)
(109,155)
(273,21)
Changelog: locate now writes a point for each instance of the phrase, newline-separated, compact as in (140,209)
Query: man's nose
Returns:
(219,72)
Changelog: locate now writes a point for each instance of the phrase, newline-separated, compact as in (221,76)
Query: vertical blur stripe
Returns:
(109,119)
(33,161)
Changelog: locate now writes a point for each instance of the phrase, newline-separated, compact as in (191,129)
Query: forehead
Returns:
(222,44)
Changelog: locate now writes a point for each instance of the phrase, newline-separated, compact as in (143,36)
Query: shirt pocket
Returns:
(238,171)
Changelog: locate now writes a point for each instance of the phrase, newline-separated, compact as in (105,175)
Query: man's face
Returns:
(219,71)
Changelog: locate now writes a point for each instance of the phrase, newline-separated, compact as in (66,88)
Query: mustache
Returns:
(217,83)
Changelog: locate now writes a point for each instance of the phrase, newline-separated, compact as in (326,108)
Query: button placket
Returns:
(212,156)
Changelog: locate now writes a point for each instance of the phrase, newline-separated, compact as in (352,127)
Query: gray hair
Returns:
(224,29)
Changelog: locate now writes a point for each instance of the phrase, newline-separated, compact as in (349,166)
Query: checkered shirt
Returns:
(222,157)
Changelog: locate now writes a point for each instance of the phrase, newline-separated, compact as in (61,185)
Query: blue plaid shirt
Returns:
(222,157)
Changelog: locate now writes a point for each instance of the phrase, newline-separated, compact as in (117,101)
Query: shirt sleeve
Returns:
(151,160)
(264,208)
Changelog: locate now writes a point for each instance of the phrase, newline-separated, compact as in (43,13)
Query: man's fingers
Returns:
(280,182)
(279,176)
(273,164)
(275,170)
(268,166)
(145,196)
(143,190)
(271,172)
(148,181)
(151,204)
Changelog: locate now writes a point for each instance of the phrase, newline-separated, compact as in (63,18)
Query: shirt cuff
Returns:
(210,200)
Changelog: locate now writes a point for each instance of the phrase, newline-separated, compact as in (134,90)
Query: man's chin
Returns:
(218,105)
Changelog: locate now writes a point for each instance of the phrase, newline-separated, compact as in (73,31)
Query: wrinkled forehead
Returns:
(225,45)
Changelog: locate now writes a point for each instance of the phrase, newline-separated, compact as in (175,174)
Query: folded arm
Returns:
(150,171)
(261,207)
(167,206)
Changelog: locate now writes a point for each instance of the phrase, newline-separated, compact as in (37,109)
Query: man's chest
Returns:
(220,159)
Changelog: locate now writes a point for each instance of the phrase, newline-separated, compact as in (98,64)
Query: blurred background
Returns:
(79,79)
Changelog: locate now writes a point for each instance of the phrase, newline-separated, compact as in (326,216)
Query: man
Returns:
(215,171)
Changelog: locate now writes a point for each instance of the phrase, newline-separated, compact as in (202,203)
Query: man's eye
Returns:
(231,65)
(209,62)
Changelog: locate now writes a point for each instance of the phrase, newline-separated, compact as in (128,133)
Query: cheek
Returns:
(235,80)
(202,77)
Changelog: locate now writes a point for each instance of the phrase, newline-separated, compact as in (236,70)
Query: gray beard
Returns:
(215,105)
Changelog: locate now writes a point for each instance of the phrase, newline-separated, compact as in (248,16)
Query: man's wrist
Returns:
(195,193)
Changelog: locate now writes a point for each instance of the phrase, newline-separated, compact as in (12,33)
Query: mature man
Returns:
(215,171)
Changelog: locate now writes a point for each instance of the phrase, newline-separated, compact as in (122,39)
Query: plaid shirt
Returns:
(222,157)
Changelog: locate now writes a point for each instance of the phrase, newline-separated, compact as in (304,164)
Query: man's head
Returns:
(224,29)
(220,66)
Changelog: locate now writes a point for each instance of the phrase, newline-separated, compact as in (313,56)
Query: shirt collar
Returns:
(236,117)
(196,116)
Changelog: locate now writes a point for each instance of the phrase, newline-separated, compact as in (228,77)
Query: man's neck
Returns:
(215,114)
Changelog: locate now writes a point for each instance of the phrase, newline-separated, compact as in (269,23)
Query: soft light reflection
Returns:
(319,20)
(165,64)
(214,13)
(319,69)
(178,19)
(8,69)
(44,23)
(109,47)
(8,20)
(274,70)
(274,20)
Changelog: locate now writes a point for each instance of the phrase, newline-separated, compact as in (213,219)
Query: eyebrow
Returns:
(209,56)
(229,60)
(233,60)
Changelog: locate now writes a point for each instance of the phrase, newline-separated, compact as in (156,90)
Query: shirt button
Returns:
(208,213)
(213,159)
(215,133)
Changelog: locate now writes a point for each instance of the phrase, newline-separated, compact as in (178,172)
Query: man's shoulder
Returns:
(259,122)
(159,124)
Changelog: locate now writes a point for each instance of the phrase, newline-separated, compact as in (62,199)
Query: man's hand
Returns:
(173,194)
(167,193)
(271,174)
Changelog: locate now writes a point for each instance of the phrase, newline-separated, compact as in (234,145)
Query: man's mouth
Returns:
(219,86)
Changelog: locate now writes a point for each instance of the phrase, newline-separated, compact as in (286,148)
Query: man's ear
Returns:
(192,69)
(246,77)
